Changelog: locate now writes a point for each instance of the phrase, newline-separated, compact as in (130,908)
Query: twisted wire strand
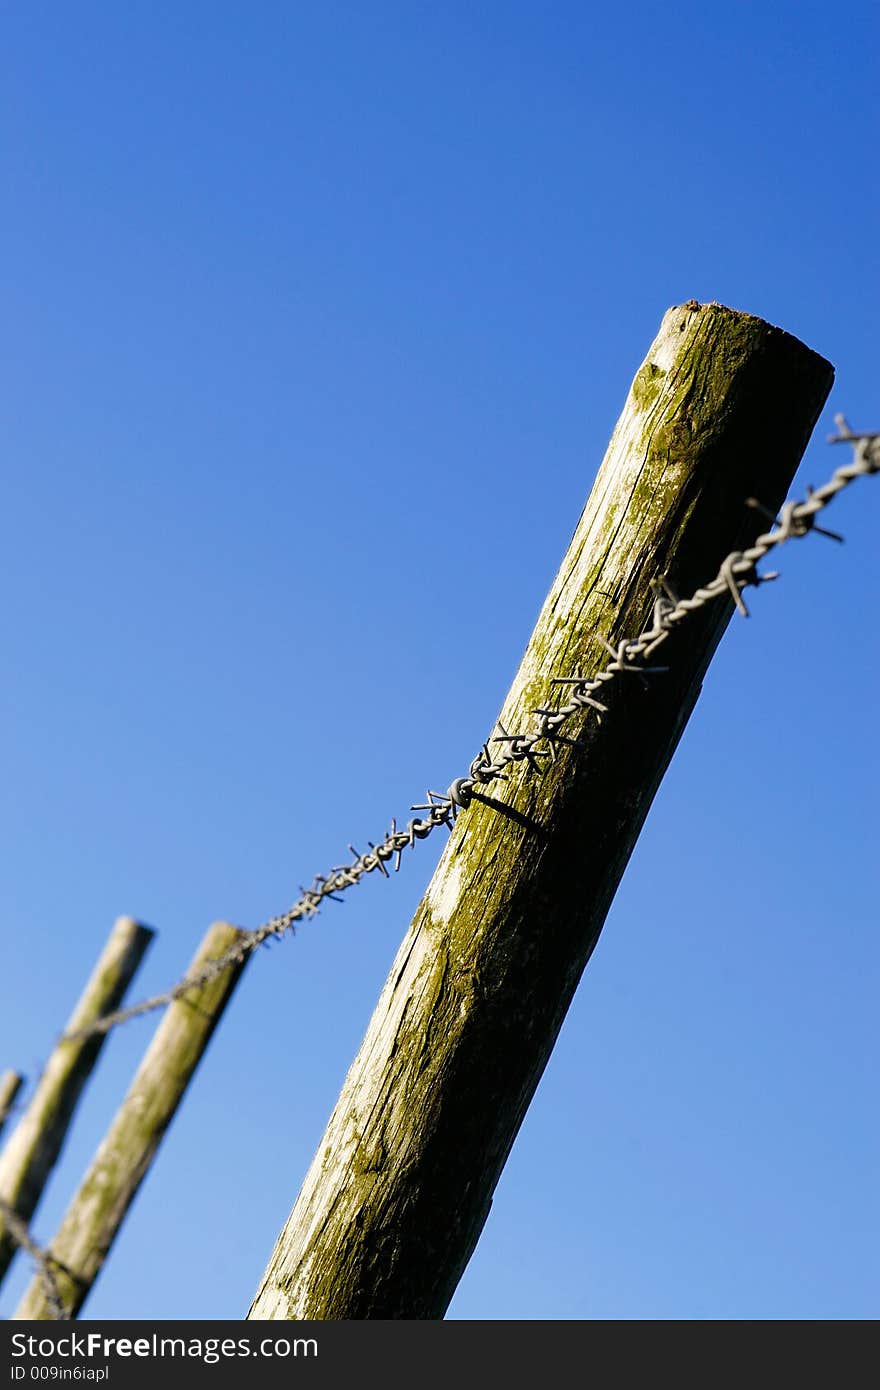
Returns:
(737,572)
(18,1230)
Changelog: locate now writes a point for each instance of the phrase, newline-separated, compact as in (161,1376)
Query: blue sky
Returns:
(311,314)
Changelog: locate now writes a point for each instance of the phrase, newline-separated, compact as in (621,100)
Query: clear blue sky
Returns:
(310,313)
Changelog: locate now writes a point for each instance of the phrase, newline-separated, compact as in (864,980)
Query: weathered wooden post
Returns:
(11,1083)
(32,1149)
(116,1172)
(402,1182)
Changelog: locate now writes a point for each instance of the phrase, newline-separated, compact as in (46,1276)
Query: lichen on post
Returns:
(402,1181)
(108,1189)
(33,1147)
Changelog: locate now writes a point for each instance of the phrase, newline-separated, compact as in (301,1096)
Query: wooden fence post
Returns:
(10,1085)
(108,1189)
(400,1187)
(32,1149)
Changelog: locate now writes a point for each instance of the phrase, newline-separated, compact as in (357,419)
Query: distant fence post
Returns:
(33,1146)
(116,1172)
(402,1181)
(10,1085)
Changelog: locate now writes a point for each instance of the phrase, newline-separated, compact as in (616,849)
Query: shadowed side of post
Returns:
(33,1147)
(400,1187)
(108,1189)
(11,1083)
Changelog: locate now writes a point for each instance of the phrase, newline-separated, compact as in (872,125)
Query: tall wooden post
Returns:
(34,1145)
(402,1181)
(10,1085)
(116,1172)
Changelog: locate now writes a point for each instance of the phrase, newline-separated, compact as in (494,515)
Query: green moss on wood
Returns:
(485,973)
(124,1156)
(37,1141)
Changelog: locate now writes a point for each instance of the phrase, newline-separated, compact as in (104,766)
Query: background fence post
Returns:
(96,1213)
(33,1147)
(10,1085)
(402,1180)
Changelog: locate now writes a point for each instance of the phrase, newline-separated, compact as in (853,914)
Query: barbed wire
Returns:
(738,571)
(20,1233)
